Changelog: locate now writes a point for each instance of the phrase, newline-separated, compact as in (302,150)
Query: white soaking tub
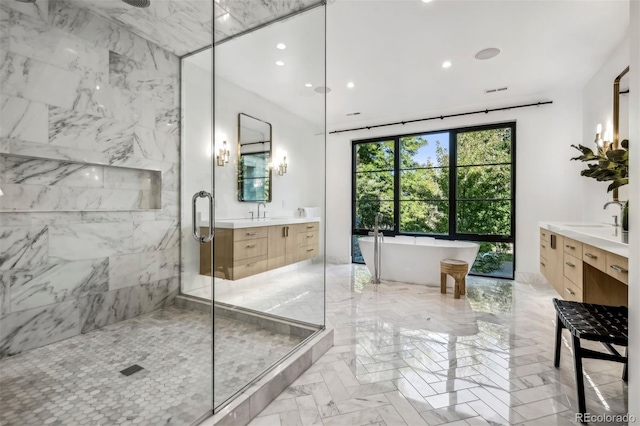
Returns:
(415,260)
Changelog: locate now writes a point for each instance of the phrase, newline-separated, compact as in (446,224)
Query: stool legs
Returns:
(577,355)
(463,285)
(559,328)
(456,289)
(625,375)
(443,283)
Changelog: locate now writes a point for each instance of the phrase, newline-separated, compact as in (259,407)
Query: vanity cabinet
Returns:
(242,252)
(582,272)
(283,245)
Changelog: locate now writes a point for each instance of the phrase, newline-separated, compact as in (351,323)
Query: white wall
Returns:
(301,186)
(634,217)
(547,182)
(598,108)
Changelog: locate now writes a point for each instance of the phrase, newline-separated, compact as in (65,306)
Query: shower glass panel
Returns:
(90,166)
(266,258)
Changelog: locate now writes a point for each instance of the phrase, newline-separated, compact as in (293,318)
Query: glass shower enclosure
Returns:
(161,204)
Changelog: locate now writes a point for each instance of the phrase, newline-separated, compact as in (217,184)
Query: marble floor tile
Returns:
(486,358)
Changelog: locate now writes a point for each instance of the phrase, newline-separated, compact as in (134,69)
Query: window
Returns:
(453,184)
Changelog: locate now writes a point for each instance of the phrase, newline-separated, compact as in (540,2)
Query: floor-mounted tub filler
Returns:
(415,260)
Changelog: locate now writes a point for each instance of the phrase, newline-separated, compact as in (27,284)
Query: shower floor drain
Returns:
(130,370)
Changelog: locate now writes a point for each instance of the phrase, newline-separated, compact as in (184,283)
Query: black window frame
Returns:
(452,200)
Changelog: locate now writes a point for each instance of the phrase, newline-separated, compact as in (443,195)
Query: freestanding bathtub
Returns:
(415,260)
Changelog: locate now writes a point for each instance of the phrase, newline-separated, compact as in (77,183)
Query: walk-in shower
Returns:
(108,127)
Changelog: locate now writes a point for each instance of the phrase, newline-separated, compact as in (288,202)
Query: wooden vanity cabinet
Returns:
(242,252)
(581,272)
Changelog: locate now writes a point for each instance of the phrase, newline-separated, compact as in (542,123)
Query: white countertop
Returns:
(601,235)
(252,223)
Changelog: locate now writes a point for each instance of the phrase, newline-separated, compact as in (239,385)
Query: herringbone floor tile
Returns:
(408,355)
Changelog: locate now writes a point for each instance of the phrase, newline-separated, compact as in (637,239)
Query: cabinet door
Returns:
(277,246)
(292,244)
(554,264)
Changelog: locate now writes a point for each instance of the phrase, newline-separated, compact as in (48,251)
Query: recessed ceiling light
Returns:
(308,85)
(280,63)
(446,64)
(488,53)
(426,1)
(350,85)
(281,46)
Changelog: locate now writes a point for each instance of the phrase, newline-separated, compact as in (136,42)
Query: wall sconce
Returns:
(603,143)
(281,167)
(223,154)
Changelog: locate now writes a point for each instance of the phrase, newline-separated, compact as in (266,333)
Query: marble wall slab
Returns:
(89,124)
(38,327)
(48,185)
(57,282)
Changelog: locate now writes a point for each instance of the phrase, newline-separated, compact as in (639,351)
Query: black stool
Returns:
(600,323)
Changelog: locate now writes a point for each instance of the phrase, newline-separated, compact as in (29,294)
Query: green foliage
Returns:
(612,166)
(424,187)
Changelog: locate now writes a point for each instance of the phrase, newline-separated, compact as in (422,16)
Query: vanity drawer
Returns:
(251,266)
(573,247)
(573,269)
(308,227)
(594,257)
(308,238)
(618,267)
(250,233)
(308,252)
(544,249)
(571,292)
(544,235)
(250,248)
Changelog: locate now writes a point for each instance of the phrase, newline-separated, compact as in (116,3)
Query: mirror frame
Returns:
(268,200)
(616,117)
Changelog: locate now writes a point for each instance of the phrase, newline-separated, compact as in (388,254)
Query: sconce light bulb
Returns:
(599,128)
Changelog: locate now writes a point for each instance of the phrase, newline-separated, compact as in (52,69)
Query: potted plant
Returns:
(609,165)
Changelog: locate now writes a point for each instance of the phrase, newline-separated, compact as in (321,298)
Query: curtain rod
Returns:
(442,117)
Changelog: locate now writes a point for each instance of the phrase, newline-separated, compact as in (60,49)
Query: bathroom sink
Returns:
(587,225)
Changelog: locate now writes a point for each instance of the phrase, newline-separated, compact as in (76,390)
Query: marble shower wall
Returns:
(78,92)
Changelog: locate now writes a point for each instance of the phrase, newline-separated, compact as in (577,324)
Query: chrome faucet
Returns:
(263,205)
(615,217)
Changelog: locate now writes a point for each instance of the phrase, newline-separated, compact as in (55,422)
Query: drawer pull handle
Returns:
(309,226)
(250,264)
(251,233)
(570,264)
(251,245)
(310,236)
(569,246)
(543,234)
(590,256)
(309,249)
(571,292)
(543,264)
(543,246)
(619,269)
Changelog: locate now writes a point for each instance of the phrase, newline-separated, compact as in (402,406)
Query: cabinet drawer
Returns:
(618,267)
(251,266)
(250,248)
(543,268)
(544,235)
(250,233)
(573,247)
(308,252)
(308,238)
(308,227)
(594,257)
(571,292)
(544,249)
(573,269)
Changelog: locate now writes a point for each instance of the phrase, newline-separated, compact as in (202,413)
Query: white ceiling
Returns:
(391,49)
(393,52)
